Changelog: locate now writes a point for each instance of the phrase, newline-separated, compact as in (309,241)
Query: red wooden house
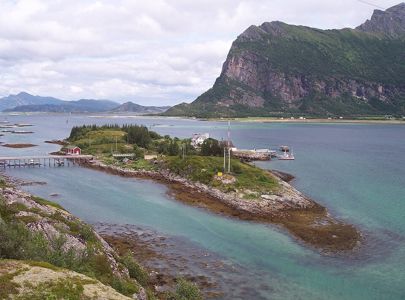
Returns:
(73,150)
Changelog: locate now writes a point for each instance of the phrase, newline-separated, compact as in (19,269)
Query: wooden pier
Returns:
(45,160)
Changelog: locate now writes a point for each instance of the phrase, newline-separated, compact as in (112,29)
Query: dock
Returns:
(44,160)
(255,154)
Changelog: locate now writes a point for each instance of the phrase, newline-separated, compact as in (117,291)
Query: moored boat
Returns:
(286,156)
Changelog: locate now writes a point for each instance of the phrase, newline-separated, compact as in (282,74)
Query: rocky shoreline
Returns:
(302,217)
(164,257)
(167,257)
(54,223)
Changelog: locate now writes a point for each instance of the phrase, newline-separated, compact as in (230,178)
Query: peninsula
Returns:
(195,175)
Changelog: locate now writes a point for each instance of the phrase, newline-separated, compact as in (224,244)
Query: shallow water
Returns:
(355,170)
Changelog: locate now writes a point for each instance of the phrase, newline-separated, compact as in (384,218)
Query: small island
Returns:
(198,174)
(19,145)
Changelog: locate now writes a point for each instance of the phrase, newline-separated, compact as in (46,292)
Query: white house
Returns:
(198,138)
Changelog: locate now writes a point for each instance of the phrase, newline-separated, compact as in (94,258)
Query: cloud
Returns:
(150,52)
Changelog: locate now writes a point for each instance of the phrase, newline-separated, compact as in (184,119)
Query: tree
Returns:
(174,148)
(138,135)
(138,152)
(211,147)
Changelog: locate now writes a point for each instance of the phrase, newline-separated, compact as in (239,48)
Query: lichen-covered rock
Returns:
(37,280)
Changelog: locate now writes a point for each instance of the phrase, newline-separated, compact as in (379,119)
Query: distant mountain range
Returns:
(24,102)
(136,108)
(23,98)
(277,69)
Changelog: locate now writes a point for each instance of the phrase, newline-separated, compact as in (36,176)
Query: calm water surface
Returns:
(355,170)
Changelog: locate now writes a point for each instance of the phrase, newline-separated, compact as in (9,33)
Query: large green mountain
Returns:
(279,69)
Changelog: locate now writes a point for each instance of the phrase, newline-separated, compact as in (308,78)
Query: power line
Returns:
(371,4)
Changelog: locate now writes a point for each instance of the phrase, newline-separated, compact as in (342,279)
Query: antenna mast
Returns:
(229,146)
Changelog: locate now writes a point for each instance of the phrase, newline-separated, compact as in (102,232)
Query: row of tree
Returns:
(142,138)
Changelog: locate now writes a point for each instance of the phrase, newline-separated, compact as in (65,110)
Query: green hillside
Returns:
(280,69)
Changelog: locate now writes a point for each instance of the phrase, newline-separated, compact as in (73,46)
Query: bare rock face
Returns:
(390,22)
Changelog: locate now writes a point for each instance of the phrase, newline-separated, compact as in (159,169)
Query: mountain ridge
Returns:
(276,69)
(24,98)
(25,102)
(390,22)
(140,109)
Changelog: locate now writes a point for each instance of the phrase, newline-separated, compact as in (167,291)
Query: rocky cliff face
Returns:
(390,22)
(277,68)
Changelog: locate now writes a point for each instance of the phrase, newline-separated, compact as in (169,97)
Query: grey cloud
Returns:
(155,52)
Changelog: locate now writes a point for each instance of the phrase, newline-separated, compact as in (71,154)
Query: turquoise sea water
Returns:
(355,170)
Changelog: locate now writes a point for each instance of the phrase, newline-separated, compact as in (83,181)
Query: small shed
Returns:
(73,150)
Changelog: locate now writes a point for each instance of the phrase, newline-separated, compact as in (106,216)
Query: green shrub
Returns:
(135,270)
(17,242)
(186,290)
(125,287)
(3,183)
(42,201)
(236,168)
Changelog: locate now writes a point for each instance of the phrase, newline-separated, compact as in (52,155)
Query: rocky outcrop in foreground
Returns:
(31,280)
(54,237)
(53,222)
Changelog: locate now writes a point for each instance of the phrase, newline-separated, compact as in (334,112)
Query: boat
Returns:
(286,156)
(59,162)
(23,125)
(33,162)
(22,132)
(284,148)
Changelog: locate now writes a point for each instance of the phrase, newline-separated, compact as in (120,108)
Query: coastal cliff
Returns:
(276,68)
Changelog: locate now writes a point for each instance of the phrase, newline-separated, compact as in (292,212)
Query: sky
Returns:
(151,52)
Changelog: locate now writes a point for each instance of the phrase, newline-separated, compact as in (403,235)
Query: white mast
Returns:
(229,146)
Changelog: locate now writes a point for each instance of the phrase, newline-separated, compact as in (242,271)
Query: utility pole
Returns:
(229,160)
(229,146)
(224,159)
